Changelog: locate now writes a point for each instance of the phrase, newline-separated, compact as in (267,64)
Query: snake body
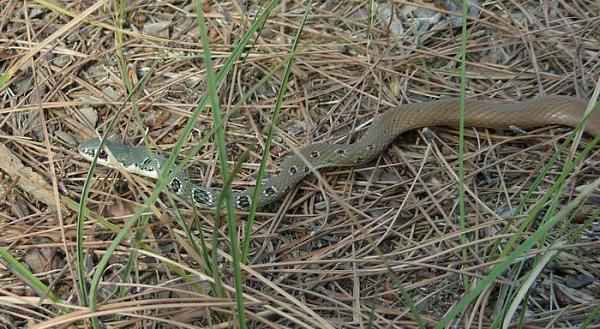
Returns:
(546,110)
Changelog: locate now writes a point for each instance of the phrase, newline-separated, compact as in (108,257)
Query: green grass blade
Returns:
(461,135)
(521,249)
(270,135)
(226,194)
(25,274)
(82,209)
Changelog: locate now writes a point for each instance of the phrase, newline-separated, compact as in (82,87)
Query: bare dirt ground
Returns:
(381,245)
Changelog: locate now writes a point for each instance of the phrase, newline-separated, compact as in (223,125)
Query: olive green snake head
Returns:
(541,111)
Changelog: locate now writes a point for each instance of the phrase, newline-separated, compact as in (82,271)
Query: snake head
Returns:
(89,148)
(133,159)
(117,151)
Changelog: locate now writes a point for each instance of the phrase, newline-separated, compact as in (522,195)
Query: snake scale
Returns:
(546,110)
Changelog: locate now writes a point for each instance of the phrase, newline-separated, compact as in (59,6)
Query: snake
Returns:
(535,112)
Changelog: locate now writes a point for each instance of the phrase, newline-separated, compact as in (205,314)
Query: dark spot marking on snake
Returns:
(103,155)
(293,170)
(306,169)
(201,197)
(243,201)
(340,152)
(175,185)
(270,190)
(370,147)
(314,154)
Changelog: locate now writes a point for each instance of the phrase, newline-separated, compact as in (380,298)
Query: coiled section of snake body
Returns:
(547,110)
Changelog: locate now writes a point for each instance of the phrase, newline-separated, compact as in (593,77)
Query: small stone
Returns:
(157,29)
(578,281)
(88,115)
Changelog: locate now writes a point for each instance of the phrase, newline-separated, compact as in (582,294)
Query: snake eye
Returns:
(102,154)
